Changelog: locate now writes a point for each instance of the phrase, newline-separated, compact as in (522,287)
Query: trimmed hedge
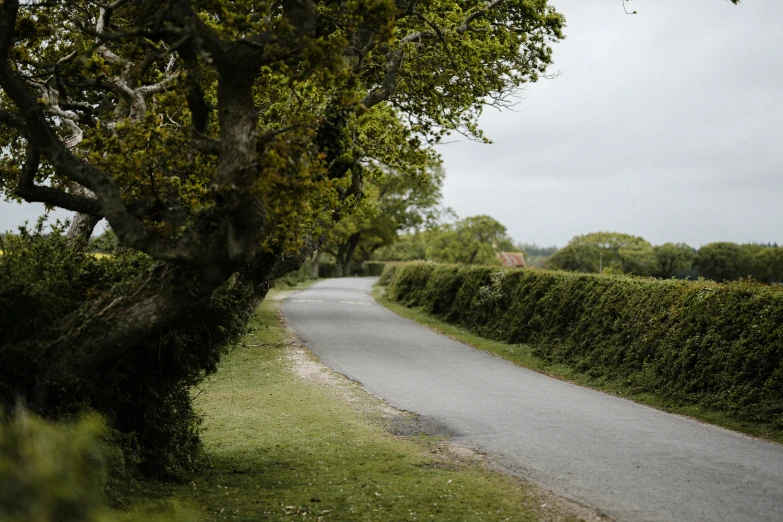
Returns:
(717,345)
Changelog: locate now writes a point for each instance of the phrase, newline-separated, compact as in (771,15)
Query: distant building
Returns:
(512,258)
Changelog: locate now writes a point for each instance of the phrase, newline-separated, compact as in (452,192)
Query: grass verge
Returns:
(522,355)
(287,439)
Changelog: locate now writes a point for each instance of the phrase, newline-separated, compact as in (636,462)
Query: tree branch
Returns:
(477,14)
(27,189)
(7,26)
(11,119)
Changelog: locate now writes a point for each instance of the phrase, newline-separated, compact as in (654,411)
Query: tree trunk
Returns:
(338,266)
(103,331)
(82,227)
(353,241)
(316,260)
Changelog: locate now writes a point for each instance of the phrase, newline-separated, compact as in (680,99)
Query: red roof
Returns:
(512,258)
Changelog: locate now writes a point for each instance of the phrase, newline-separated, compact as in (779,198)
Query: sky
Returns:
(667,124)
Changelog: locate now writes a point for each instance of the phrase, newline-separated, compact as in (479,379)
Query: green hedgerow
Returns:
(696,342)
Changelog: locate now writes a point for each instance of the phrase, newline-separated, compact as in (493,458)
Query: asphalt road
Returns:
(631,462)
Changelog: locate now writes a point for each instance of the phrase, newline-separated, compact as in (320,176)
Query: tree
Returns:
(407,247)
(473,240)
(602,251)
(671,258)
(396,202)
(723,261)
(222,141)
(769,263)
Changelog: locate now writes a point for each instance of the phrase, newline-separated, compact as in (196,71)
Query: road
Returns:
(629,461)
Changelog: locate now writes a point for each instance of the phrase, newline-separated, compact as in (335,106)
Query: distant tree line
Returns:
(473,240)
(535,255)
(612,252)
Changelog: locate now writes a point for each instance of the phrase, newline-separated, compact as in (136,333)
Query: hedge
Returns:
(696,342)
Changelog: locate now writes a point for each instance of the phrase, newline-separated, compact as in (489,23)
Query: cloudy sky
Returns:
(667,124)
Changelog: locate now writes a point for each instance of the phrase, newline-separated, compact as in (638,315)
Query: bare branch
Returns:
(27,189)
(158,87)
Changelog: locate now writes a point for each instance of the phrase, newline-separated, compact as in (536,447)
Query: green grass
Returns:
(522,355)
(282,447)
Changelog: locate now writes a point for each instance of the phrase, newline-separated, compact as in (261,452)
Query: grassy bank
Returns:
(523,355)
(288,439)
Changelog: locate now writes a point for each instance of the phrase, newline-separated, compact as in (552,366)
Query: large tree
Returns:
(222,140)
(604,251)
(396,202)
(671,258)
(473,240)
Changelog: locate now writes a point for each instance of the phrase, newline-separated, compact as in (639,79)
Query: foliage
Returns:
(717,345)
(724,261)
(221,141)
(624,254)
(388,273)
(533,250)
(407,247)
(473,240)
(671,259)
(769,264)
(52,472)
(145,394)
(599,251)
(371,268)
(727,261)
(397,201)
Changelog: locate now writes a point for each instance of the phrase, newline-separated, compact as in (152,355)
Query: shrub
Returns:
(388,273)
(718,345)
(146,395)
(52,472)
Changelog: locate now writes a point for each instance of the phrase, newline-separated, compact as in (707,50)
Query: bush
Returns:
(146,395)
(52,472)
(718,345)
(388,273)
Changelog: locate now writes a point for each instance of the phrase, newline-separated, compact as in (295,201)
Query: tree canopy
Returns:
(226,137)
(602,251)
(222,141)
(396,202)
(473,240)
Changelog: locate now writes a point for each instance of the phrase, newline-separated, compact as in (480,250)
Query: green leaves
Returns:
(718,345)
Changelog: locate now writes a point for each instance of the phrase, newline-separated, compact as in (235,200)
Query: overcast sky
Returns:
(667,124)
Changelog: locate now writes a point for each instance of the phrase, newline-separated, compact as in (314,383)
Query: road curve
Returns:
(629,461)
